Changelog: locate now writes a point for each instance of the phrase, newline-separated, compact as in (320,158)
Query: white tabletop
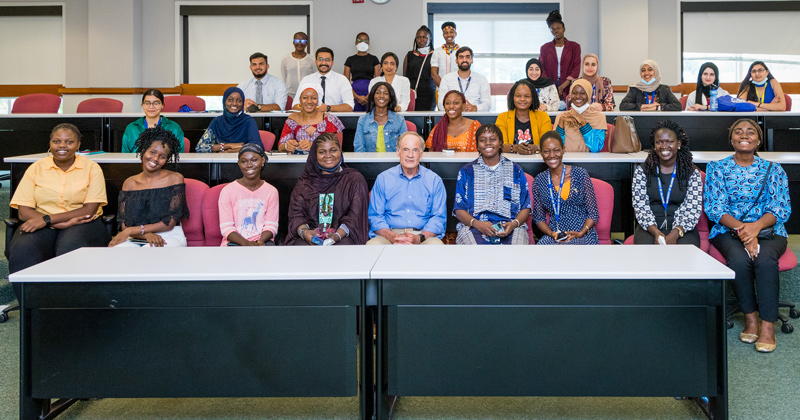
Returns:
(573,262)
(705,157)
(350,157)
(205,263)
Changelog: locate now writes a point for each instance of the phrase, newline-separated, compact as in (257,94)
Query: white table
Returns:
(195,322)
(551,321)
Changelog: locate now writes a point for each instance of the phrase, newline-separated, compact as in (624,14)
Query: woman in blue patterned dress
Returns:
(735,201)
(491,191)
(565,194)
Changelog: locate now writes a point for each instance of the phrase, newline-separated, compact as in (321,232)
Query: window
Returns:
(722,34)
(503,36)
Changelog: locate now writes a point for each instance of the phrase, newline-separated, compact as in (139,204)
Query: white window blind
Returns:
(32,48)
(219,46)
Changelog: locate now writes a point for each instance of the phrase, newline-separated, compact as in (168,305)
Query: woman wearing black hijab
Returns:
(707,80)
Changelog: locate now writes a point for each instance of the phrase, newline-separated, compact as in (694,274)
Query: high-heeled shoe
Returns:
(748,338)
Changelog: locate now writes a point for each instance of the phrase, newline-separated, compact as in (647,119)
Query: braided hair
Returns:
(685,167)
(154,134)
(430,38)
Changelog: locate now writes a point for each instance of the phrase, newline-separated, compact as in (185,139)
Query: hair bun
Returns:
(554,17)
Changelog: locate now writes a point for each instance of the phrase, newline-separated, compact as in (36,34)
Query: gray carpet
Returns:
(761,386)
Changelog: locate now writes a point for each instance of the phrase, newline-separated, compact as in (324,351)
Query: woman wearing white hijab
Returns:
(649,94)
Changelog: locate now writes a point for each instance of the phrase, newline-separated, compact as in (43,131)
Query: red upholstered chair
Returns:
(412,104)
(99,105)
(340,136)
(289,102)
(529,177)
(36,103)
(683,100)
(267,139)
(193,225)
(410,126)
(788,100)
(211,215)
(604,193)
(609,138)
(187,145)
(174,103)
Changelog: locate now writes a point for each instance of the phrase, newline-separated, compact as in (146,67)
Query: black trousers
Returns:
(29,249)
(763,297)
(643,237)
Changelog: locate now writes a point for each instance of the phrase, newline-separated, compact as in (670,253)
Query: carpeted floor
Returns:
(761,386)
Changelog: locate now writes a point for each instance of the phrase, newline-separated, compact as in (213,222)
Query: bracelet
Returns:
(142,229)
(222,147)
(587,227)
(471,221)
(340,236)
(302,229)
(518,223)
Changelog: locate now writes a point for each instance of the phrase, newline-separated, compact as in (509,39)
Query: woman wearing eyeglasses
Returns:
(762,89)
(152,104)
(297,64)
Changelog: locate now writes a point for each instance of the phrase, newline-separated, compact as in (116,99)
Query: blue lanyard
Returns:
(557,203)
(665,199)
(461,88)
(594,93)
(145,122)
(649,99)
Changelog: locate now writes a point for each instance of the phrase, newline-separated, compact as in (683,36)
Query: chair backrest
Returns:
(35,103)
(175,102)
(410,126)
(529,222)
(683,100)
(193,225)
(702,223)
(412,104)
(187,145)
(289,102)
(211,215)
(99,105)
(788,101)
(609,138)
(267,139)
(604,194)
(340,136)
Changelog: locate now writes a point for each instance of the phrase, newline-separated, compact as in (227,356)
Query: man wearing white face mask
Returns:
(360,69)
(582,127)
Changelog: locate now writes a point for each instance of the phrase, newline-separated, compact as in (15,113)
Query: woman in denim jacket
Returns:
(379,128)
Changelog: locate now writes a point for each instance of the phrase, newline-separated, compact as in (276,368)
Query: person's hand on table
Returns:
(650,107)
(291,145)
(249,102)
(304,145)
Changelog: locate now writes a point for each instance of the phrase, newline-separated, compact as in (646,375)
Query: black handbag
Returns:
(769,232)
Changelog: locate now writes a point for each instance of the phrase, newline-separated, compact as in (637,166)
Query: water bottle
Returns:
(712,102)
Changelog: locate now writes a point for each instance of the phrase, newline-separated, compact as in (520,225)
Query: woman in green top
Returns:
(152,104)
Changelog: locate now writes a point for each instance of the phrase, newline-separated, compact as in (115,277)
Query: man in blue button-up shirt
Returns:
(407,205)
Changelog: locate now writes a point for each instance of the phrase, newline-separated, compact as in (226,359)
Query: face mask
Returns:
(581,109)
(424,50)
(761,83)
(362,47)
(650,82)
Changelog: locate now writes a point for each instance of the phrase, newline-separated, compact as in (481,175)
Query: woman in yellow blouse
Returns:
(453,131)
(523,125)
(59,199)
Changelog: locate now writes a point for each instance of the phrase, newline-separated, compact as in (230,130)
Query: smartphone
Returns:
(498,227)
(138,240)
(317,240)
(561,236)
(448,151)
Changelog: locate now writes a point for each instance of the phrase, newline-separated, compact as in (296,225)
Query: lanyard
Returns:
(665,199)
(761,97)
(557,203)
(145,122)
(649,98)
(464,91)
(594,93)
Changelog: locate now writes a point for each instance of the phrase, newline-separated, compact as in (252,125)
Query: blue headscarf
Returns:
(234,128)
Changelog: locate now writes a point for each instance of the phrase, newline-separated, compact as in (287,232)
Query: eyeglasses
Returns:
(358,41)
(759,70)
(148,104)
(325,60)
(300,41)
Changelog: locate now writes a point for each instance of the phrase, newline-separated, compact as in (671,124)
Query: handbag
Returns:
(419,76)
(769,232)
(626,140)
(731,103)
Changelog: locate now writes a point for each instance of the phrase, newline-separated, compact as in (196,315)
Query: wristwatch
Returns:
(329,108)
(421,238)
(46,219)
(680,231)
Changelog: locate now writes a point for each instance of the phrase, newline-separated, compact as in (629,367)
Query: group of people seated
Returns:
(559,80)
(60,198)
